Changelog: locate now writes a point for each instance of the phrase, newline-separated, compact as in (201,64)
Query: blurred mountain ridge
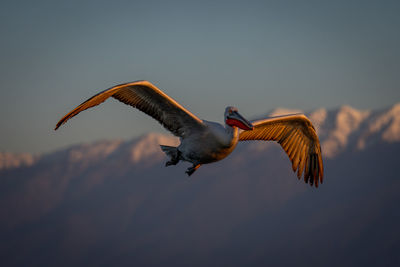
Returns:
(114,203)
(338,129)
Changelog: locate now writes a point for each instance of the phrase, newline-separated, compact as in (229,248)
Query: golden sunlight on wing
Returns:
(298,138)
(147,98)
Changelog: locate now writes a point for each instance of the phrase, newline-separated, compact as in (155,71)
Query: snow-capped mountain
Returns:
(338,130)
(349,128)
(114,203)
(10,160)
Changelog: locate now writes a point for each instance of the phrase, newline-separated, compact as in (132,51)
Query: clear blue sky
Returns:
(256,55)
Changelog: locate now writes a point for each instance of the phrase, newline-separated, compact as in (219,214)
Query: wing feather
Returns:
(298,138)
(296,157)
(296,143)
(291,146)
(149,99)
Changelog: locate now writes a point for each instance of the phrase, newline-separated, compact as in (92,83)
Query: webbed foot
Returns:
(192,169)
(171,162)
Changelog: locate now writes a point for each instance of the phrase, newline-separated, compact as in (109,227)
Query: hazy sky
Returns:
(256,55)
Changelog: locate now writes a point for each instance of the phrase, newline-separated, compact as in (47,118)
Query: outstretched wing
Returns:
(147,98)
(298,138)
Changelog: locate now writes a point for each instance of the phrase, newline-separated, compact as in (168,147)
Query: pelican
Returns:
(203,142)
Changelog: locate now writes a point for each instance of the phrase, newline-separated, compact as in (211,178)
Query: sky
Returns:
(255,55)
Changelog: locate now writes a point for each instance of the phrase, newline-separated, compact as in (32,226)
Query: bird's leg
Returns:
(192,169)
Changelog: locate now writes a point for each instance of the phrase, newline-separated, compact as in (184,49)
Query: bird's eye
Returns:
(230,111)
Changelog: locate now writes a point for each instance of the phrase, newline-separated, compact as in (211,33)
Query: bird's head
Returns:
(234,119)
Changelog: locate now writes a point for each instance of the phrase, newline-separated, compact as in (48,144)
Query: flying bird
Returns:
(205,142)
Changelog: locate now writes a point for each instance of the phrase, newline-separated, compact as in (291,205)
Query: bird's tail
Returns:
(171,152)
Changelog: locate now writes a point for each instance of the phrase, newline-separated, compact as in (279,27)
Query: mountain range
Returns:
(114,203)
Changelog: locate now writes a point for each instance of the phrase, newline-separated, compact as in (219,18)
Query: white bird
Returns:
(206,142)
